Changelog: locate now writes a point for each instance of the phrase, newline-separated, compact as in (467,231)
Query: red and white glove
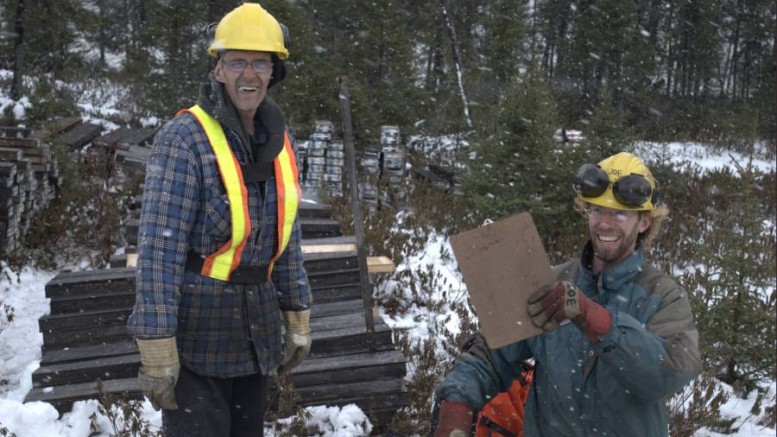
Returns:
(454,420)
(552,304)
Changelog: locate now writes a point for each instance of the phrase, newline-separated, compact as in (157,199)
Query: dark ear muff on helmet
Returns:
(655,198)
(279,66)
(278,71)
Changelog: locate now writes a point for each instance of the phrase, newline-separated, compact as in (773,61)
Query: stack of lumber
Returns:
(85,338)
(55,128)
(29,177)
(14,132)
(79,135)
(128,147)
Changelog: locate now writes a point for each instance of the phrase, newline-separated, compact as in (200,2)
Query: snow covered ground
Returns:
(20,341)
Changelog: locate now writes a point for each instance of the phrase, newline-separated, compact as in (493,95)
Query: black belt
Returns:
(241,275)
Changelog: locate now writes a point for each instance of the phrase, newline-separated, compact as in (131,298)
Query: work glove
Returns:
(552,304)
(296,340)
(159,371)
(454,420)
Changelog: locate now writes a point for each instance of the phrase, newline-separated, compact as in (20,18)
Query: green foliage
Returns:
(86,214)
(606,132)
(430,360)
(124,416)
(721,220)
(731,301)
(283,409)
(50,38)
(726,261)
(49,100)
(664,65)
(519,167)
(698,406)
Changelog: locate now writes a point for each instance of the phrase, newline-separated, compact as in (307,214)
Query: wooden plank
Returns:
(84,319)
(319,227)
(77,372)
(96,335)
(81,317)
(10,154)
(341,369)
(80,135)
(138,137)
(87,352)
(110,139)
(313,371)
(383,395)
(329,309)
(71,304)
(14,131)
(30,145)
(337,293)
(328,248)
(123,138)
(332,333)
(8,172)
(341,239)
(380,264)
(365,393)
(336,321)
(313,209)
(351,340)
(56,127)
(63,397)
(72,279)
(331,278)
(88,282)
(320,263)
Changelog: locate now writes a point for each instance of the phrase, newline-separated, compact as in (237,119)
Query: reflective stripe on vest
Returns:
(221,264)
(288,192)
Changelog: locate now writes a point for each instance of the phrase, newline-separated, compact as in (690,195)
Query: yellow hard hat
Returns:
(249,27)
(621,181)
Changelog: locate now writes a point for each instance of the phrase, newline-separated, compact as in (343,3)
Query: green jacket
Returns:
(615,388)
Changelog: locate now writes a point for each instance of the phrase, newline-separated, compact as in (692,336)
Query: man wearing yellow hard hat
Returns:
(618,338)
(219,266)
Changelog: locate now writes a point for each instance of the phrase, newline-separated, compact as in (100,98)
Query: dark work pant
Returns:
(215,407)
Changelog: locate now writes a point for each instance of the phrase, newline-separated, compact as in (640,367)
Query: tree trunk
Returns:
(734,62)
(456,61)
(18,68)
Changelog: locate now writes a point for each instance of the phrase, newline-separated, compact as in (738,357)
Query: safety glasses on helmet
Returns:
(632,190)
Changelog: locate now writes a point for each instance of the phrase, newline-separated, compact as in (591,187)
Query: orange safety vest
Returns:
(503,415)
(221,264)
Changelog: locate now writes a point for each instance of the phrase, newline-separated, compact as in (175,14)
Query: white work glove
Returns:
(296,340)
(159,371)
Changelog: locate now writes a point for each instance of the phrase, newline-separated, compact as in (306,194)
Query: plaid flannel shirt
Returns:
(222,329)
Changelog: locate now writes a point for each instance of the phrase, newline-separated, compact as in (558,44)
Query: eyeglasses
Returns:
(632,190)
(598,212)
(239,65)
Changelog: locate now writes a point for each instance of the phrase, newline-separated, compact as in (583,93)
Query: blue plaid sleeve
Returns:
(169,208)
(289,275)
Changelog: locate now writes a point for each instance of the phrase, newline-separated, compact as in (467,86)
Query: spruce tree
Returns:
(733,292)
(518,166)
